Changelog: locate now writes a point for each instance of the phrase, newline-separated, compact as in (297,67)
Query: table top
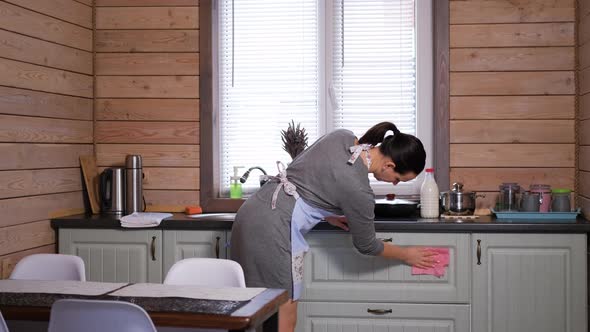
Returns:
(16,303)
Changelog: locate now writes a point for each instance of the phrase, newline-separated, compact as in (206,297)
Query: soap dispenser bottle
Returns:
(235,187)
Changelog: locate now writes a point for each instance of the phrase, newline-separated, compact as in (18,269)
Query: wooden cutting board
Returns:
(90,173)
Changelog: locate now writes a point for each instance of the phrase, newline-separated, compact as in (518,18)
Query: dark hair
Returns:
(406,151)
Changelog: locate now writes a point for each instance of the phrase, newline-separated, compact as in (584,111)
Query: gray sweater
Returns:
(325,180)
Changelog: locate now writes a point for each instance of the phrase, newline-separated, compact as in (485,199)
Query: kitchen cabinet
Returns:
(188,244)
(347,290)
(114,255)
(529,282)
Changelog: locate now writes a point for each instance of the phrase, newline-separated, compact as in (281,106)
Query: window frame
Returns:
(209,120)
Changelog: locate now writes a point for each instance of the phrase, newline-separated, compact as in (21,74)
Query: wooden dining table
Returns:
(25,300)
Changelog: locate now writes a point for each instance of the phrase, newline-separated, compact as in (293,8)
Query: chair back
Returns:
(3,327)
(73,315)
(206,272)
(49,267)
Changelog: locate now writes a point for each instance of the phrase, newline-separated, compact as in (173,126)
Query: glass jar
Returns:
(560,200)
(544,191)
(507,200)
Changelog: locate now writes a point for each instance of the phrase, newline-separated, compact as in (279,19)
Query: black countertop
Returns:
(223,221)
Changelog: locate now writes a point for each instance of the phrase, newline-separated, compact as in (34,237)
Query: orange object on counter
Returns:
(193,210)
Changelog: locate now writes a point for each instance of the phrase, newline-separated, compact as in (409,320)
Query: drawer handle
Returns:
(153,248)
(379,311)
(217,247)
(478,252)
(389,239)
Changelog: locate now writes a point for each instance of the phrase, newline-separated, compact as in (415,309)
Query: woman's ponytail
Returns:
(406,151)
(376,134)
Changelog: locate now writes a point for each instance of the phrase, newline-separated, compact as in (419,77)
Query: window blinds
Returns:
(268,74)
(325,64)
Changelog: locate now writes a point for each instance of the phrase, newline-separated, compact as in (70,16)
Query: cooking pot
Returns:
(396,208)
(457,201)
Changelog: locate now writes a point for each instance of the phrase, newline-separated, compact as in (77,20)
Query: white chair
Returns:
(206,272)
(49,267)
(3,327)
(72,315)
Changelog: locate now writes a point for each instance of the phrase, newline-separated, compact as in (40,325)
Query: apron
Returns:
(305,217)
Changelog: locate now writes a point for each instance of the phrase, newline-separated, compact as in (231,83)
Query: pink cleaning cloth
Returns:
(442,261)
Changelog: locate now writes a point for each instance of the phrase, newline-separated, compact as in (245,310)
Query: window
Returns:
(324,64)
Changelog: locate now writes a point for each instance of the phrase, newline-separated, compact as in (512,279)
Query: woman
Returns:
(327,180)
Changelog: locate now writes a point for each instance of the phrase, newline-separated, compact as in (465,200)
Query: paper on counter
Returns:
(189,291)
(69,287)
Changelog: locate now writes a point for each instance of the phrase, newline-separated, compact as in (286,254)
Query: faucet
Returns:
(263,178)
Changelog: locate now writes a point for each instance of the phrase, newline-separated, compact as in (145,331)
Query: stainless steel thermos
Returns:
(133,179)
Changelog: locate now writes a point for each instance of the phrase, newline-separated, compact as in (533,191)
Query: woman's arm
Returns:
(411,255)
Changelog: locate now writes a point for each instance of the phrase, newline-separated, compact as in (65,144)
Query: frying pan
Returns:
(394,208)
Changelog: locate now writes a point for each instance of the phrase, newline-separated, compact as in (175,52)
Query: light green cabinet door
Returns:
(335,271)
(381,317)
(529,282)
(181,244)
(116,255)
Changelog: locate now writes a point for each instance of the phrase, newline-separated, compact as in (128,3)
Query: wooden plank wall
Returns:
(584,105)
(46,90)
(512,94)
(147,94)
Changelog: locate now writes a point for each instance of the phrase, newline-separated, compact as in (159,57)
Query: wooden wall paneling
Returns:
(584,23)
(513,83)
(147,18)
(584,55)
(23,75)
(515,35)
(584,203)
(584,81)
(7,262)
(512,107)
(512,155)
(26,236)
(172,178)
(27,49)
(26,209)
(488,179)
(39,182)
(37,25)
(17,156)
(170,200)
(141,3)
(584,181)
(66,10)
(513,131)
(513,59)
(512,11)
(147,64)
(584,159)
(147,109)
(584,107)
(147,86)
(147,40)
(44,130)
(86,2)
(147,132)
(34,103)
(153,155)
(584,132)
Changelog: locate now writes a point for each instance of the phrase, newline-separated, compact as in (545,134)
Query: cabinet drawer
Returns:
(335,271)
(323,316)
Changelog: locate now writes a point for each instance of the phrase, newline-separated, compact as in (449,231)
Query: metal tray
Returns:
(552,217)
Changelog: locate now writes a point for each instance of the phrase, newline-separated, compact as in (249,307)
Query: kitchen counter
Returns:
(489,224)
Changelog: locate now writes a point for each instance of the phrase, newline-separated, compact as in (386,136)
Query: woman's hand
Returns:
(338,221)
(419,257)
